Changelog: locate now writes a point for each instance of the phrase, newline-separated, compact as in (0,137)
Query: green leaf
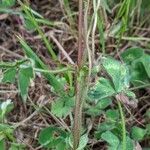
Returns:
(2,145)
(83,142)
(139,64)
(62,106)
(52,137)
(103,103)
(112,115)
(46,136)
(114,30)
(105,5)
(130,94)
(146,63)
(132,54)
(28,24)
(138,133)
(101,90)
(9,75)
(111,139)
(147,114)
(39,64)
(24,78)
(7,3)
(6,132)
(16,146)
(93,111)
(97,109)
(148,129)
(5,107)
(105,126)
(118,73)
(138,74)
(129,144)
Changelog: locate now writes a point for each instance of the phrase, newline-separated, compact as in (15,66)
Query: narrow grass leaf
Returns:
(39,64)
(32,19)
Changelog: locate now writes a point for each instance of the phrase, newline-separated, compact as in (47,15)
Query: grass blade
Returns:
(32,18)
(39,64)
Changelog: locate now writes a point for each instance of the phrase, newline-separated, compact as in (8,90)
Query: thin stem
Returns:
(53,71)
(80,81)
(123,126)
(140,87)
(80,35)
(96,7)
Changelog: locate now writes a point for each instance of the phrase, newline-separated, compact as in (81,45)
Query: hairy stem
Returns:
(123,126)
(80,81)
(80,34)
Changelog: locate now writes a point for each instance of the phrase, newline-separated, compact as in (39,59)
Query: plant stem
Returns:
(123,126)
(12,65)
(140,87)
(80,34)
(80,81)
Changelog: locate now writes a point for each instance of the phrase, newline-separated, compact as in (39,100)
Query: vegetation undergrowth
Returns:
(98,97)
